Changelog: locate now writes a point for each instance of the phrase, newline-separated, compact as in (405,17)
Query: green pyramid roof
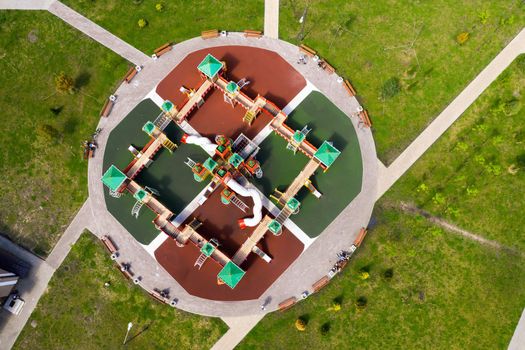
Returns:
(210,66)
(327,154)
(231,274)
(293,203)
(207,249)
(113,178)
(167,106)
(232,87)
(140,195)
(148,127)
(210,164)
(275,227)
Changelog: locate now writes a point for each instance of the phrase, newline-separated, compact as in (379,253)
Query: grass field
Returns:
(167,174)
(43,175)
(339,185)
(473,175)
(446,293)
(78,312)
(179,20)
(412,42)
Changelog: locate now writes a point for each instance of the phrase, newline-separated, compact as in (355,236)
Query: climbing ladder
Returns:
(170,146)
(115,194)
(190,163)
(249,117)
(283,215)
(200,260)
(242,83)
(136,209)
(239,204)
(162,121)
(152,190)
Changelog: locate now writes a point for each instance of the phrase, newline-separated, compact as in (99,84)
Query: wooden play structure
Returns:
(231,161)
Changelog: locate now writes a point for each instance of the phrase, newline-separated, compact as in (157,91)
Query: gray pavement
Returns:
(25,4)
(271,18)
(518,339)
(302,273)
(98,33)
(32,287)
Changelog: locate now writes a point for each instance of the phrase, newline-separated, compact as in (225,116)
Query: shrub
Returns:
(388,273)
(300,324)
(472,191)
(364,275)
(64,83)
(142,23)
(484,16)
(462,38)
(462,146)
(438,199)
(422,188)
(159,7)
(390,88)
(361,302)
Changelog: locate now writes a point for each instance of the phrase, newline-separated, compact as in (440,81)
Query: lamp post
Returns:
(127,332)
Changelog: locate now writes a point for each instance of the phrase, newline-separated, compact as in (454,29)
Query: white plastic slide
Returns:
(210,147)
(204,142)
(257,202)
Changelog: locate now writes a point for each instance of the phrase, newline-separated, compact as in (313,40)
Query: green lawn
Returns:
(167,174)
(474,175)
(44,179)
(412,41)
(178,21)
(446,293)
(78,312)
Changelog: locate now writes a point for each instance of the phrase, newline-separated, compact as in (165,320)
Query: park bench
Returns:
(306,50)
(106,109)
(131,74)
(363,115)
(108,243)
(252,33)
(288,303)
(162,49)
(328,67)
(156,295)
(209,34)
(88,153)
(360,237)
(349,88)
(317,286)
(125,271)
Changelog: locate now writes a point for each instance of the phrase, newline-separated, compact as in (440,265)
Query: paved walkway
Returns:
(98,33)
(25,4)
(239,328)
(32,287)
(518,339)
(271,18)
(450,114)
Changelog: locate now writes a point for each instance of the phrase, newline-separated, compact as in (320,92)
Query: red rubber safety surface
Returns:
(270,76)
(220,221)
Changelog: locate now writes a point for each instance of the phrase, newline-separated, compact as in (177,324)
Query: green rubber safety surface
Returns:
(339,185)
(167,174)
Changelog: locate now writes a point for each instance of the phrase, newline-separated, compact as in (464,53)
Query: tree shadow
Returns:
(82,80)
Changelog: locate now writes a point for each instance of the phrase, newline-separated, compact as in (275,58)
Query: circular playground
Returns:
(239,175)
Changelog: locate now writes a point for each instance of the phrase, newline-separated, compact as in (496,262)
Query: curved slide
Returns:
(210,147)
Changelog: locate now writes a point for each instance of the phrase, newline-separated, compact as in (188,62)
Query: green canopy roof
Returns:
(275,227)
(210,66)
(327,153)
(210,164)
(207,249)
(232,87)
(167,106)
(293,203)
(113,178)
(148,127)
(231,274)
(140,195)
(235,160)
(298,136)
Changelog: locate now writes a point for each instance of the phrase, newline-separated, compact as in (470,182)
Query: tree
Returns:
(159,7)
(300,324)
(64,83)
(462,38)
(142,23)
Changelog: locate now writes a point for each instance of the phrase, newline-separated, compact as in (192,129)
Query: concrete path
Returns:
(271,18)
(98,33)
(518,339)
(450,114)
(239,328)
(35,284)
(25,4)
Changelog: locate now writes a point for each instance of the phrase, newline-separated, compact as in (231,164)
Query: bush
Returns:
(484,16)
(361,303)
(364,275)
(64,83)
(462,38)
(159,7)
(142,23)
(390,88)
(300,324)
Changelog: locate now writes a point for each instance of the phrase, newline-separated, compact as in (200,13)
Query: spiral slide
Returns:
(210,147)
